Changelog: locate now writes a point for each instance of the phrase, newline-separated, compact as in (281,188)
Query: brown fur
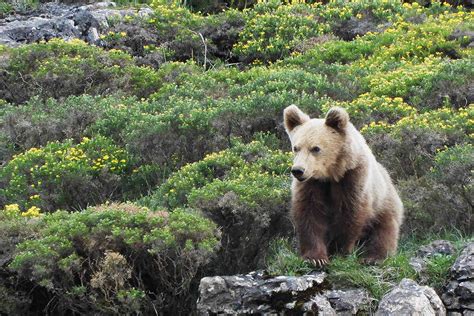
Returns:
(344,196)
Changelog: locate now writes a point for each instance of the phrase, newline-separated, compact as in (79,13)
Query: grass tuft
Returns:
(350,272)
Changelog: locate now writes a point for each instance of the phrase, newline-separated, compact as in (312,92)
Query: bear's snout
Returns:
(297,172)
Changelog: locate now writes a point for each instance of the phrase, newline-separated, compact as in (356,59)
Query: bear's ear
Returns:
(293,117)
(337,118)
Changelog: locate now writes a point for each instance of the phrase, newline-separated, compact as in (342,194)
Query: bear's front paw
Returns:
(317,262)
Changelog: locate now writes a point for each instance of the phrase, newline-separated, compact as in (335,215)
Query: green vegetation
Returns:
(349,271)
(68,176)
(105,258)
(58,69)
(180,112)
(244,189)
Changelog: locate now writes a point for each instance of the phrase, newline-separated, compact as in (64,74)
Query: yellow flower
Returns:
(11,209)
(33,211)
(123,34)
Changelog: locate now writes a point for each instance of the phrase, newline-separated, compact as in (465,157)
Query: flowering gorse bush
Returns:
(61,68)
(367,109)
(13,211)
(396,83)
(443,119)
(237,167)
(272,30)
(65,175)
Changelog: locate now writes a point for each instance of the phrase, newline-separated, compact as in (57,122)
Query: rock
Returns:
(409,298)
(458,293)
(54,20)
(92,35)
(467,37)
(348,302)
(101,5)
(253,293)
(463,267)
(435,248)
(318,304)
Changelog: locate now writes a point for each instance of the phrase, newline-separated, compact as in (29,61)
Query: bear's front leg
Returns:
(312,240)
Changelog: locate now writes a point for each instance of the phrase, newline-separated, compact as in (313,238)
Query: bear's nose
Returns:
(297,172)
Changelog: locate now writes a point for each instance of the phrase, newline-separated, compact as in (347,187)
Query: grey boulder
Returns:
(411,299)
(458,293)
(253,293)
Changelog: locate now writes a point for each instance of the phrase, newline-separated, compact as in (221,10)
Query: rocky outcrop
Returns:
(409,298)
(458,293)
(55,20)
(255,293)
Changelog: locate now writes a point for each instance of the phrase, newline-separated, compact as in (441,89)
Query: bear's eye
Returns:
(295,149)
(315,149)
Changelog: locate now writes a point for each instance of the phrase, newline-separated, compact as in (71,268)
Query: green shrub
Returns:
(116,258)
(273,29)
(451,85)
(38,121)
(5,9)
(442,199)
(407,147)
(368,108)
(443,119)
(15,227)
(173,32)
(245,190)
(68,176)
(203,112)
(20,6)
(195,113)
(59,69)
(396,83)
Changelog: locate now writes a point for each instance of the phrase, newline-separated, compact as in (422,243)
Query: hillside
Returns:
(144,149)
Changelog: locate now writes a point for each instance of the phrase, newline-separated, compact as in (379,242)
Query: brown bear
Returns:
(341,196)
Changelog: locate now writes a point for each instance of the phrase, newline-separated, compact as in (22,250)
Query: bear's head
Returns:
(320,146)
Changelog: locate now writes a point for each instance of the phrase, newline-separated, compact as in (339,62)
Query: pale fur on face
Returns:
(328,134)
